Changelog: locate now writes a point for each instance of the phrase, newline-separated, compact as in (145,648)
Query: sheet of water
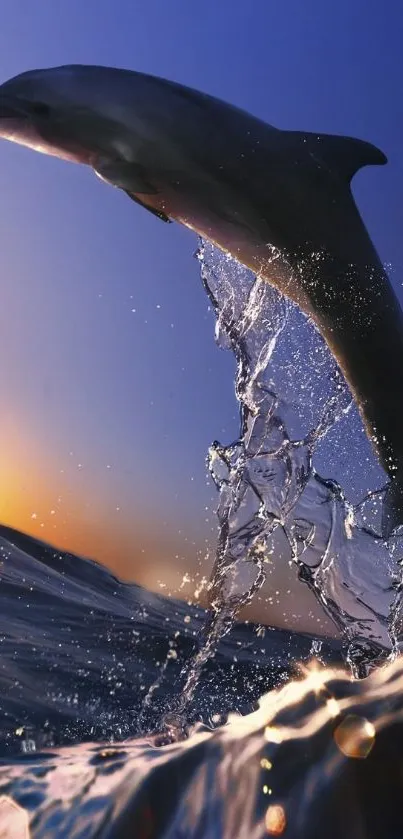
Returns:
(297,418)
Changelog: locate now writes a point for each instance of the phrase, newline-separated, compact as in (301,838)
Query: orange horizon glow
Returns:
(54,505)
(49,504)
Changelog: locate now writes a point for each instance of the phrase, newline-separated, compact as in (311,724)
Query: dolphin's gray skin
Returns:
(278,201)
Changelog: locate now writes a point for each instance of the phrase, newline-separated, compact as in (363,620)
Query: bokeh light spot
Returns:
(355,736)
(275,820)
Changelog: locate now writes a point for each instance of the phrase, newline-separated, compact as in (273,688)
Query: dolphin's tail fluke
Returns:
(392,513)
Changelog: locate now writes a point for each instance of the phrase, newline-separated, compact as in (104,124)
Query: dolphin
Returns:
(278,201)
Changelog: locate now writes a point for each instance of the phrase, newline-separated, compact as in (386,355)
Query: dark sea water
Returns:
(79,653)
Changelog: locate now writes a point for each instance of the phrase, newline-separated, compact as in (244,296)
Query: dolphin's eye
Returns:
(40,109)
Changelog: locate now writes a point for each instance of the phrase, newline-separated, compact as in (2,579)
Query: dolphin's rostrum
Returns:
(279,201)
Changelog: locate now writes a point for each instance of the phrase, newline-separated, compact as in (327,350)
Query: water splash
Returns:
(295,406)
(296,415)
(297,418)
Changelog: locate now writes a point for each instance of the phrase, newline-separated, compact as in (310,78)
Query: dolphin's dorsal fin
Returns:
(342,155)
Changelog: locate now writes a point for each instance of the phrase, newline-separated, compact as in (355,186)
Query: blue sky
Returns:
(107,412)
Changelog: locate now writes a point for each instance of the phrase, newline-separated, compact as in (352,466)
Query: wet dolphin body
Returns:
(278,201)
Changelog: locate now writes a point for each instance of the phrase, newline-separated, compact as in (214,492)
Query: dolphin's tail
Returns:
(392,513)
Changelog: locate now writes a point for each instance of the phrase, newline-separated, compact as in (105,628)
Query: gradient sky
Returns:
(107,413)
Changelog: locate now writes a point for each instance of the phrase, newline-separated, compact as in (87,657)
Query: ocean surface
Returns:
(319,755)
(81,650)
(80,653)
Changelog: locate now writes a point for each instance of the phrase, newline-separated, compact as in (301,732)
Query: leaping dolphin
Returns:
(279,201)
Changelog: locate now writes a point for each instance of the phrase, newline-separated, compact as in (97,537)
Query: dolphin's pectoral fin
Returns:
(153,210)
(128,176)
(131,179)
(342,155)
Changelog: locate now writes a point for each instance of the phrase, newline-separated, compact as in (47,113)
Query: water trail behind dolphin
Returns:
(297,417)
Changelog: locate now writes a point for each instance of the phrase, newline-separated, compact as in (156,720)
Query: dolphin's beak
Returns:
(17,121)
